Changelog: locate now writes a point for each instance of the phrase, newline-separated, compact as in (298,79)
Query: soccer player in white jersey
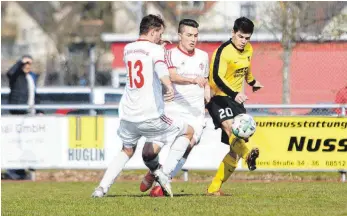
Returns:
(142,109)
(189,69)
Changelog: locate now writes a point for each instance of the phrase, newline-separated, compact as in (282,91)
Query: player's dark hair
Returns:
(149,22)
(243,25)
(187,22)
(27,56)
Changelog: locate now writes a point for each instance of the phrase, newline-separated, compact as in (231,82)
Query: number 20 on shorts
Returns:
(135,74)
(227,112)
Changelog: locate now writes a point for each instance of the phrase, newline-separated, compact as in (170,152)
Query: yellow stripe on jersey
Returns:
(229,67)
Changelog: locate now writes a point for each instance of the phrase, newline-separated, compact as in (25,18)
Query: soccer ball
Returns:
(243,126)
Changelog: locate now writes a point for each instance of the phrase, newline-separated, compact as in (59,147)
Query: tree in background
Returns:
(73,27)
(78,27)
(293,22)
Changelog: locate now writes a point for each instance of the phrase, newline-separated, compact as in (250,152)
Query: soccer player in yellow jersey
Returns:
(230,66)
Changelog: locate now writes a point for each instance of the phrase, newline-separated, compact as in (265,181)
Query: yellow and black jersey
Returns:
(229,67)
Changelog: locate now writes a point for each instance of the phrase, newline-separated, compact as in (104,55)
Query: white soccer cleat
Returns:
(98,193)
(164,181)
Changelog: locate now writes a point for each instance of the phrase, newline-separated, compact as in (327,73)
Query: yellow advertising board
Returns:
(86,138)
(301,143)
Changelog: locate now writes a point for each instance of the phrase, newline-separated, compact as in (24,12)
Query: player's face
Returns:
(189,38)
(156,34)
(26,68)
(240,39)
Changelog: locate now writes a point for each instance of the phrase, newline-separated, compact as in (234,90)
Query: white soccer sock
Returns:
(113,170)
(178,167)
(176,152)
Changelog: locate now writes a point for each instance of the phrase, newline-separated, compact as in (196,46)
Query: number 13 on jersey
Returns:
(135,74)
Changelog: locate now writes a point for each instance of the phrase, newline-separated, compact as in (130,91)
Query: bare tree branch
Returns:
(298,21)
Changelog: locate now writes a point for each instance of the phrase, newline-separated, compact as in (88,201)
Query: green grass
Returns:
(194,175)
(250,198)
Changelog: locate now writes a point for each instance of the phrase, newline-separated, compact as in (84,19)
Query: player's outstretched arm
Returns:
(162,71)
(178,79)
(181,80)
(208,92)
(257,86)
(169,92)
(252,82)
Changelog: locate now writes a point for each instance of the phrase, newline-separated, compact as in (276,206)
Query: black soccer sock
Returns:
(152,164)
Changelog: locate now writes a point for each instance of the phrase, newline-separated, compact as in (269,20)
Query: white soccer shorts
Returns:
(161,131)
(195,122)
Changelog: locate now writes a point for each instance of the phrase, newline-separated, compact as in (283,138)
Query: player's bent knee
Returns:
(190,132)
(129,151)
(148,156)
(148,152)
(226,126)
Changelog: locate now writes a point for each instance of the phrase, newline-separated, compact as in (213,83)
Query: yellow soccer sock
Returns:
(226,168)
(238,146)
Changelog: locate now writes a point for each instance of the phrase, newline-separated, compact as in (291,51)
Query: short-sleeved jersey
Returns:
(142,98)
(188,98)
(229,67)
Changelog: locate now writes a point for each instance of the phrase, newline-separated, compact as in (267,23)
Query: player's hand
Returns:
(27,60)
(169,94)
(201,81)
(207,99)
(241,98)
(257,86)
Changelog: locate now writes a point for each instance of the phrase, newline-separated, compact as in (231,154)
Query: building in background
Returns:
(57,34)
(22,33)
(217,17)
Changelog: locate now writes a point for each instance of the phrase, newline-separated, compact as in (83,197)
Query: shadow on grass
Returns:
(129,195)
(175,195)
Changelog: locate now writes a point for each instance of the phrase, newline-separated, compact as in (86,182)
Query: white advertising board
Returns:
(32,141)
(86,143)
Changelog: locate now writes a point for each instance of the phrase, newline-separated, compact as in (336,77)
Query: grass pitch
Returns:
(248,198)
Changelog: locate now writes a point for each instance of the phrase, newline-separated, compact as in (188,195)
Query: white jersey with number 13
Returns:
(142,99)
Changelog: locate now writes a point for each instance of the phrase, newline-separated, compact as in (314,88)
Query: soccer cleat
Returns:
(98,193)
(147,182)
(157,191)
(251,159)
(217,193)
(164,181)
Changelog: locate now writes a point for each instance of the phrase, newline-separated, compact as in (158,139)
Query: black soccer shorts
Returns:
(222,108)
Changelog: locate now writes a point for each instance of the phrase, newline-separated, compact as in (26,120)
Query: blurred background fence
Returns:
(300,48)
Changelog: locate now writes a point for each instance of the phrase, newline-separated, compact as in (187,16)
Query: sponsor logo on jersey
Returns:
(201,66)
